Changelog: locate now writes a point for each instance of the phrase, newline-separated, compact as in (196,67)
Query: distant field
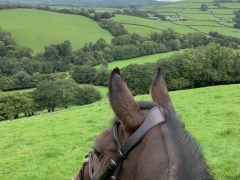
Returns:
(182,5)
(192,22)
(151,23)
(36,29)
(213,19)
(163,10)
(215,11)
(143,31)
(98,9)
(209,17)
(53,145)
(226,31)
(140,60)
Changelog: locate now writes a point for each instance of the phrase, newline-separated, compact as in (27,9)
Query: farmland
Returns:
(52,146)
(213,19)
(36,29)
(135,22)
(139,60)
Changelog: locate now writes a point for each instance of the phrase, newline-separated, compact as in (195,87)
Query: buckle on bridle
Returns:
(121,154)
(112,165)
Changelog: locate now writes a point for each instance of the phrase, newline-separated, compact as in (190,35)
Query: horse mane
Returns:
(192,165)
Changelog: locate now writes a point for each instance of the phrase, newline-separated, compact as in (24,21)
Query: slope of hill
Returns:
(36,28)
(52,145)
(86,2)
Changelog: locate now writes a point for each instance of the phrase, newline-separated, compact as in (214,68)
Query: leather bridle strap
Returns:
(153,118)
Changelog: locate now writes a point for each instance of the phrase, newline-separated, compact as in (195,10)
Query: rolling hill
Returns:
(85,2)
(36,28)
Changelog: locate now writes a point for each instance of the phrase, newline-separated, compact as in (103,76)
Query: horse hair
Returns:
(192,165)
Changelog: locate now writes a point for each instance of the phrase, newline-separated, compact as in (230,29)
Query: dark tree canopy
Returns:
(204,7)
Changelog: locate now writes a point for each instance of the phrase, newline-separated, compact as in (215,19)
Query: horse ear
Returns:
(159,90)
(123,103)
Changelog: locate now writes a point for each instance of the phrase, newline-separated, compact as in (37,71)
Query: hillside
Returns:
(52,145)
(85,2)
(36,28)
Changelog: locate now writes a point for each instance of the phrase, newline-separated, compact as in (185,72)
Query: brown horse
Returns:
(147,140)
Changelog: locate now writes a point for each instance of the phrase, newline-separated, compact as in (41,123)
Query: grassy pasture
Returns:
(139,60)
(52,145)
(225,16)
(182,5)
(228,5)
(197,23)
(151,23)
(103,9)
(215,11)
(208,17)
(224,30)
(36,29)
(169,10)
(143,31)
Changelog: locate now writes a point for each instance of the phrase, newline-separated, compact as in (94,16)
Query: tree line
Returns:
(199,67)
(49,95)
(20,69)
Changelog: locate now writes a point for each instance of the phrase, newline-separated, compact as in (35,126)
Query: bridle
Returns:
(154,117)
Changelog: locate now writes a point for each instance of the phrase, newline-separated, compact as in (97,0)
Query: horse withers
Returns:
(147,141)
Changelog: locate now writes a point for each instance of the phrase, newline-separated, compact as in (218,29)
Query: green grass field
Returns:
(203,21)
(150,23)
(98,9)
(182,5)
(53,145)
(139,60)
(197,23)
(143,31)
(36,29)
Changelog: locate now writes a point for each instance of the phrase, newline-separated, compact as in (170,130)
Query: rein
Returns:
(153,118)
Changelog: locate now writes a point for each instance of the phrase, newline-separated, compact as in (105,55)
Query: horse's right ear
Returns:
(159,90)
(123,103)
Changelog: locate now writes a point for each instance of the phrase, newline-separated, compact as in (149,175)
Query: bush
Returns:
(204,7)
(87,95)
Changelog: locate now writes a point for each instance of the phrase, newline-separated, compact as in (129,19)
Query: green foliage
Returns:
(237,19)
(204,7)
(3,49)
(133,12)
(116,29)
(139,77)
(22,80)
(121,40)
(13,104)
(52,94)
(6,83)
(200,67)
(83,74)
(101,76)
(87,94)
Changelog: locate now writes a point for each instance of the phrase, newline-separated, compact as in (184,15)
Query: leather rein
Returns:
(153,118)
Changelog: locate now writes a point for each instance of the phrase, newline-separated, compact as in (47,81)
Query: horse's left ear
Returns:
(123,103)
(159,90)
